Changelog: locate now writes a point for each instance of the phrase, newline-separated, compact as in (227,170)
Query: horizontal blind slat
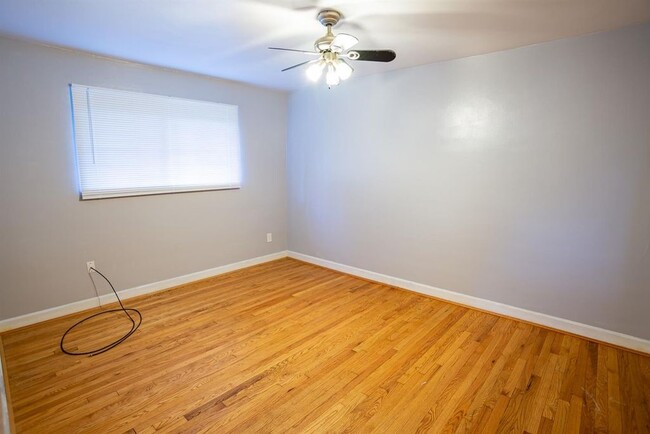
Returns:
(131,143)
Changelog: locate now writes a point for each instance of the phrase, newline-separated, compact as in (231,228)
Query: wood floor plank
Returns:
(286,346)
(561,417)
(614,405)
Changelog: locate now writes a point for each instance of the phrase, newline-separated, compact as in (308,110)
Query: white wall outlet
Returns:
(89,265)
(269,237)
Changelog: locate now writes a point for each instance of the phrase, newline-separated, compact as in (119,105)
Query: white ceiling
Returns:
(229,38)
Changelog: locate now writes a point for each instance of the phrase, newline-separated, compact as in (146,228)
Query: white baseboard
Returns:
(585,330)
(32,318)
(576,328)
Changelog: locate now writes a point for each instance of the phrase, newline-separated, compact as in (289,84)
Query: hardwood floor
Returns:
(290,347)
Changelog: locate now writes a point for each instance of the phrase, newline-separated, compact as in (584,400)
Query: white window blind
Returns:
(131,143)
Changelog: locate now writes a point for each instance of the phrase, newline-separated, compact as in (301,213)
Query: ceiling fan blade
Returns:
(295,5)
(343,42)
(299,64)
(372,55)
(294,50)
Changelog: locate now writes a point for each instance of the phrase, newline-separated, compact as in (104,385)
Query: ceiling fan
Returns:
(331,52)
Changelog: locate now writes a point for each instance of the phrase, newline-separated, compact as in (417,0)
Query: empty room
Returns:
(302,216)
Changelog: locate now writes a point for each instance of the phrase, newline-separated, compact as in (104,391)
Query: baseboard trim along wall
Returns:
(43,315)
(561,324)
(576,328)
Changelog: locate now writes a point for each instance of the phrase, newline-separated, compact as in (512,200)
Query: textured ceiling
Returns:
(229,38)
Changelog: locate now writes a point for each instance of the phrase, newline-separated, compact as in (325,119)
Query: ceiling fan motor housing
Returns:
(328,18)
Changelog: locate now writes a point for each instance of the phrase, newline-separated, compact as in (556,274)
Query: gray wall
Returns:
(521,177)
(47,234)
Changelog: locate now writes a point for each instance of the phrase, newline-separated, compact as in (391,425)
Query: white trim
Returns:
(32,318)
(587,331)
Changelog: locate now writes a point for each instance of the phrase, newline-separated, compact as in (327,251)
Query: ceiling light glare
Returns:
(343,69)
(315,70)
(332,77)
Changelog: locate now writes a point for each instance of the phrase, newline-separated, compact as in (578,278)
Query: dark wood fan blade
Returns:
(373,55)
(295,66)
(295,51)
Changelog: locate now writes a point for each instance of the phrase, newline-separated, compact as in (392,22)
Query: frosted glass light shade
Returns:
(315,70)
(332,77)
(343,69)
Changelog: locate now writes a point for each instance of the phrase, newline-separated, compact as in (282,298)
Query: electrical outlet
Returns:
(269,237)
(89,265)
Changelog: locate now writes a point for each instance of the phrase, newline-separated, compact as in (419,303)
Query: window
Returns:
(131,143)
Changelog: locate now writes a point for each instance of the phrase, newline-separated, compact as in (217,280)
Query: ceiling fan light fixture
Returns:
(315,70)
(343,70)
(332,78)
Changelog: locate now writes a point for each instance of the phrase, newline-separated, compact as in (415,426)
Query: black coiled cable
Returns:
(134,325)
